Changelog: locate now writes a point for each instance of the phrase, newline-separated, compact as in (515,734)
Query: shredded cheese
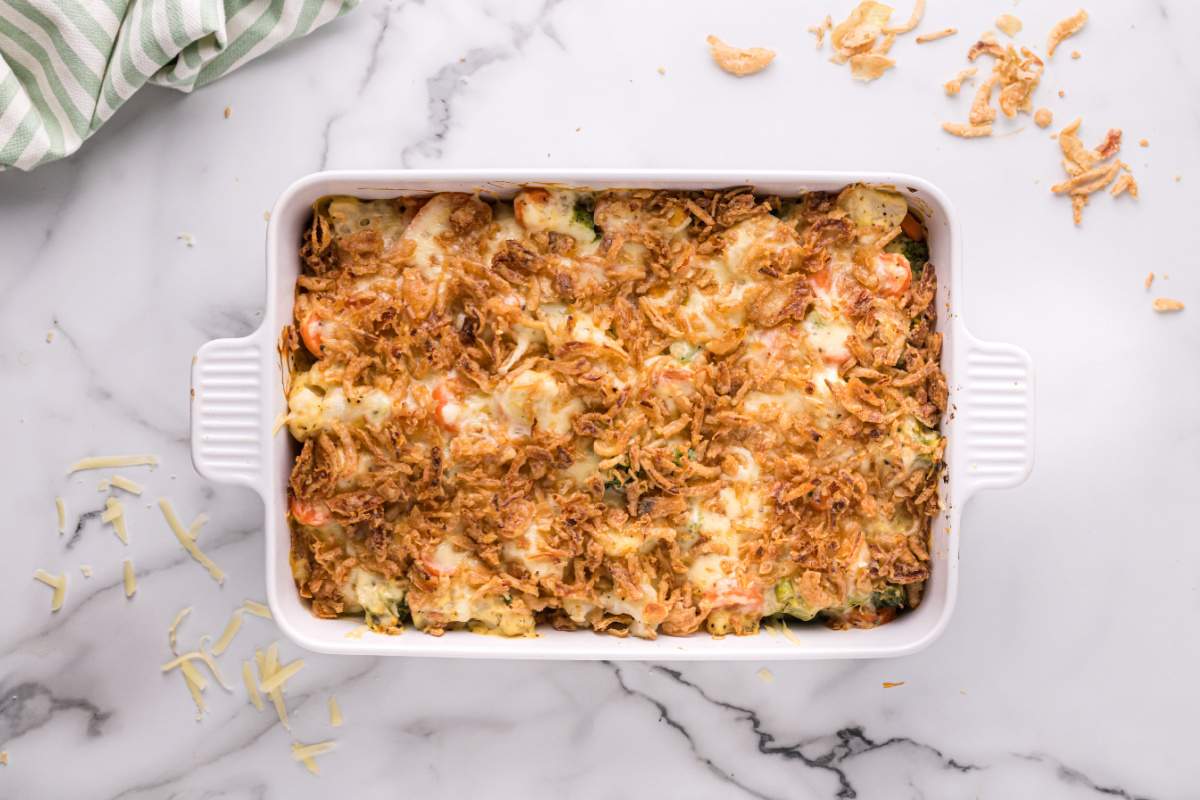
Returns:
(282,675)
(357,631)
(61,508)
(335,712)
(307,752)
(175,624)
(86,569)
(193,675)
(766,675)
(188,542)
(58,583)
(199,522)
(199,655)
(103,485)
(104,462)
(235,623)
(129,577)
(114,513)
(280,421)
(787,632)
(3,758)
(257,609)
(197,697)
(125,484)
(267,665)
(251,689)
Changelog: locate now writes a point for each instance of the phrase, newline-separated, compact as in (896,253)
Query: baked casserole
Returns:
(632,411)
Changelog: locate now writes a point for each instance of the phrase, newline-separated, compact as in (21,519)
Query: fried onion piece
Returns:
(1043,117)
(913,21)
(954,85)
(925,38)
(1063,29)
(1008,24)
(857,33)
(1165,304)
(869,66)
(819,30)
(967,131)
(981,107)
(986,45)
(739,61)
(1125,183)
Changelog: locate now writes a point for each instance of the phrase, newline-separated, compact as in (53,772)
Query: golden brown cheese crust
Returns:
(634,411)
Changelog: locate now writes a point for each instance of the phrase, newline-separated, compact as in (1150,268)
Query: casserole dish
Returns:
(237,396)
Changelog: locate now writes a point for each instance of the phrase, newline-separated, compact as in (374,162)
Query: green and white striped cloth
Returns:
(67,65)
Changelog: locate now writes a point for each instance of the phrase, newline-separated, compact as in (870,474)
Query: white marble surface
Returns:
(1069,669)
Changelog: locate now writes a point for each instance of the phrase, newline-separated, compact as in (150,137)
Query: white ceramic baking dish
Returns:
(237,397)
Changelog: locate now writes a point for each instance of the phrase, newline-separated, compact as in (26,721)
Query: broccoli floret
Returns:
(582,215)
(891,595)
(793,605)
(916,252)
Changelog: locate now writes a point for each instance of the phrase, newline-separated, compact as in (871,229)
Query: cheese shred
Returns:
(251,689)
(174,625)
(193,675)
(105,462)
(281,677)
(125,484)
(267,666)
(60,507)
(188,541)
(305,753)
(199,655)
(56,582)
(335,712)
(235,623)
(114,514)
(257,609)
(129,578)
(197,696)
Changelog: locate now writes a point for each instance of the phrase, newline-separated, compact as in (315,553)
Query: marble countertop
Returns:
(1069,669)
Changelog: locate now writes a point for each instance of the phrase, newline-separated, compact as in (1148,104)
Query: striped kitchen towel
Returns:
(67,65)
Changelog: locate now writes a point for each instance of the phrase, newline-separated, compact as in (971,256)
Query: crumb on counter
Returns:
(1149,280)
(662,70)
(766,675)
(228,112)
(1043,117)
(1076,54)
(1143,142)
(893,684)
(187,239)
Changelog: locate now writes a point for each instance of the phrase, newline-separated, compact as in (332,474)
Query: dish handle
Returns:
(229,409)
(993,415)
